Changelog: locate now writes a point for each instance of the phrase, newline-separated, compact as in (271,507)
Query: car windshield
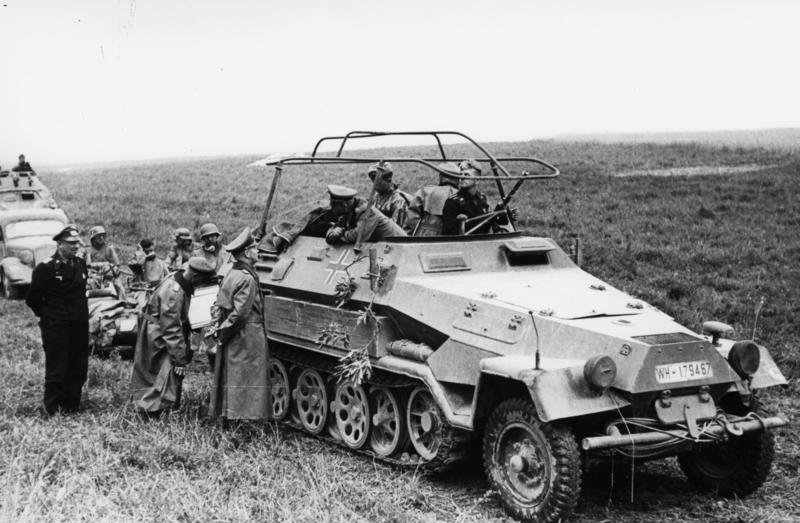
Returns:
(33,228)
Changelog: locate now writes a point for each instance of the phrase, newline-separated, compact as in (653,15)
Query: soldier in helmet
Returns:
(181,249)
(357,219)
(211,248)
(471,203)
(57,295)
(162,347)
(241,377)
(147,268)
(425,208)
(22,166)
(100,252)
(388,199)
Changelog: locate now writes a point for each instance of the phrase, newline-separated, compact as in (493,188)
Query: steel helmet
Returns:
(207,229)
(96,230)
(385,168)
(182,233)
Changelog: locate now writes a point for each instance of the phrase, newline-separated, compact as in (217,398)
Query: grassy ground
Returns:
(705,247)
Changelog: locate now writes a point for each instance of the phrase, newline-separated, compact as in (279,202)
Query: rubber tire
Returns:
(753,455)
(9,292)
(562,452)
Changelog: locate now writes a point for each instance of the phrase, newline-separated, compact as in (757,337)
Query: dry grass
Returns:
(699,248)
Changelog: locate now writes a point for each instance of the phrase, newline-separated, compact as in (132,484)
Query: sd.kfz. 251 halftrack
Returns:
(503,338)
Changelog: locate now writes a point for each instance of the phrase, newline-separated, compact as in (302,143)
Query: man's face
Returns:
(340,207)
(69,248)
(251,253)
(210,242)
(184,243)
(383,186)
(149,252)
(21,159)
(99,240)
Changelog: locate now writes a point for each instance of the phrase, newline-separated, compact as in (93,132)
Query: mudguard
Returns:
(17,272)
(558,388)
(768,373)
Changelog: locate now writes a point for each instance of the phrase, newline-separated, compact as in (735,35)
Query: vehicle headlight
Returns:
(745,357)
(25,257)
(600,372)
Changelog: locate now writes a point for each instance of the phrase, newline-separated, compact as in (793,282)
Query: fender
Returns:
(768,373)
(17,272)
(557,389)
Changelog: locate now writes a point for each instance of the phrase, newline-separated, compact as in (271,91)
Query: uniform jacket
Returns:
(148,271)
(177,256)
(425,209)
(464,203)
(367,224)
(106,253)
(217,259)
(58,289)
(24,167)
(394,205)
(241,374)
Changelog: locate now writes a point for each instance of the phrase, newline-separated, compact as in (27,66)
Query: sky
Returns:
(104,80)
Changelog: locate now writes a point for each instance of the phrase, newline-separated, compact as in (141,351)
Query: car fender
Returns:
(557,388)
(16,271)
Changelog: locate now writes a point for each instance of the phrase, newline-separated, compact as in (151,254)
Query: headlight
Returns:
(600,372)
(745,357)
(25,257)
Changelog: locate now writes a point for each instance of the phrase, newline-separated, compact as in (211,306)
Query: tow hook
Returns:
(730,428)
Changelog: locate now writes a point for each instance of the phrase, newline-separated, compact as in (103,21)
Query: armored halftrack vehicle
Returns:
(503,339)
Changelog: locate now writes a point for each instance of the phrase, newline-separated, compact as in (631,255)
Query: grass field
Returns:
(698,247)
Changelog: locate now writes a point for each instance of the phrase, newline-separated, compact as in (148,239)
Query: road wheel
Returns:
(737,467)
(388,432)
(9,291)
(281,391)
(311,401)
(534,466)
(351,410)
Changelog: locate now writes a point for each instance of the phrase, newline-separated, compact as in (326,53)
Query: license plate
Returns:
(686,371)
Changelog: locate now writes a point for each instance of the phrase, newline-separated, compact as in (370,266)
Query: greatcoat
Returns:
(241,374)
(162,344)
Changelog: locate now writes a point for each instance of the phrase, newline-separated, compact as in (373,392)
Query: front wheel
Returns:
(534,466)
(737,467)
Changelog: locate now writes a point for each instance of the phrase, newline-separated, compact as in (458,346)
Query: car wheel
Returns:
(9,291)
(534,466)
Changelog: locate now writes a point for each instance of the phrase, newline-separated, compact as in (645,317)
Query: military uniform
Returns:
(57,295)
(363,223)
(148,271)
(470,206)
(105,253)
(393,205)
(177,256)
(241,375)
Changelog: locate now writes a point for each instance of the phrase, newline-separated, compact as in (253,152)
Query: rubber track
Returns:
(455,441)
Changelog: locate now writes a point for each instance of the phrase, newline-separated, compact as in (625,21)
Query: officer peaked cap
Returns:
(241,242)
(340,192)
(201,265)
(69,234)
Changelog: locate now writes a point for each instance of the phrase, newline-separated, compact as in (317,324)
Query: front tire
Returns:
(534,466)
(737,467)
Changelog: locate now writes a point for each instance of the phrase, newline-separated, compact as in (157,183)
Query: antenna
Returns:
(759,306)
(538,358)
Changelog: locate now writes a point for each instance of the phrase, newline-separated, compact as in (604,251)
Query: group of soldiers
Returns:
(58,296)
(453,206)
(163,348)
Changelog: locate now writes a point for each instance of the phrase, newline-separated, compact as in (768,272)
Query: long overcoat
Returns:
(241,375)
(162,344)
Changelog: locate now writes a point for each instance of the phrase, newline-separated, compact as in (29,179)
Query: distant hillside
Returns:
(787,139)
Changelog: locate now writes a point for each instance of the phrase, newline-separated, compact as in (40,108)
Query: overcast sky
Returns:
(105,80)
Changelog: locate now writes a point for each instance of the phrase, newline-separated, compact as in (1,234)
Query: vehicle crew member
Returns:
(181,250)
(162,347)
(241,375)
(101,252)
(359,220)
(22,166)
(471,203)
(388,198)
(211,248)
(57,295)
(315,223)
(147,268)
(425,209)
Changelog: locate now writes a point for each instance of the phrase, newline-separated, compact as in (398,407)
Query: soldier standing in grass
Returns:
(162,348)
(57,295)
(241,374)
(181,249)
(388,198)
